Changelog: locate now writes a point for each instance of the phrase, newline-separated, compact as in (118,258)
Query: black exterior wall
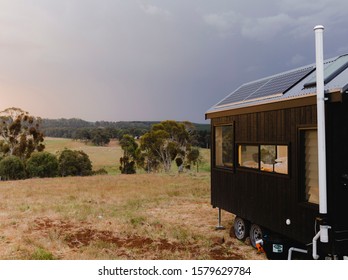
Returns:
(269,199)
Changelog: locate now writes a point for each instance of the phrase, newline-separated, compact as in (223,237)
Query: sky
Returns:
(153,60)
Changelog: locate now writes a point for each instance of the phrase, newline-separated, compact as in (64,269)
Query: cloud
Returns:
(298,59)
(265,28)
(224,23)
(309,6)
(154,10)
(114,53)
(294,17)
(260,29)
(221,21)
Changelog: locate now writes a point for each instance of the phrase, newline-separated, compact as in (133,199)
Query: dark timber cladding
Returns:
(264,153)
(268,198)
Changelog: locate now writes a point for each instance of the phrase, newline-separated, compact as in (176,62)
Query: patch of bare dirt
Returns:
(77,235)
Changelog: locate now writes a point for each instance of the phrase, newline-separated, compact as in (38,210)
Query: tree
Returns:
(42,164)
(129,147)
(127,166)
(100,137)
(83,134)
(193,156)
(166,141)
(179,163)
(74,163)
(147,160)
(12,168)
(20,133)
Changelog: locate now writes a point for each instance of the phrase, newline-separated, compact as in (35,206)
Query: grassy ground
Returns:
(141,216)
(146,216)
(102,157)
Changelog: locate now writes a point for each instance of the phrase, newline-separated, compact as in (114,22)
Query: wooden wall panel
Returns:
(264,198)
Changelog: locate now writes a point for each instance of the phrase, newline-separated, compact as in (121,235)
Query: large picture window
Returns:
(224,146)
(267,158)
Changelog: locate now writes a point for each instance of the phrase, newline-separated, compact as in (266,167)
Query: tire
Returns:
(240,228)
(256,234)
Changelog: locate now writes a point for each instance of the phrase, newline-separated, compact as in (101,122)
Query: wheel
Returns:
(255,234)
(240,228)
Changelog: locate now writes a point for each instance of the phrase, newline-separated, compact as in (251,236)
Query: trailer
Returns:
(264,161)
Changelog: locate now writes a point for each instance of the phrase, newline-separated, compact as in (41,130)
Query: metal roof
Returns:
(292,84)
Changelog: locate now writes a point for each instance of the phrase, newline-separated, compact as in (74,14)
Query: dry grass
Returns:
(144,216)
(106,157)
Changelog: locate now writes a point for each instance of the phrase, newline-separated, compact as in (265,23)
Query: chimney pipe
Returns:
(319,29)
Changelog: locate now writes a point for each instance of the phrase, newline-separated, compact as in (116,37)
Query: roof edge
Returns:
(298,101)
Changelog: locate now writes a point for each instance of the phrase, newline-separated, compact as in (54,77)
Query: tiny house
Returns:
(264,161)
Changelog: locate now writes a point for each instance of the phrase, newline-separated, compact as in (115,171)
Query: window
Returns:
(281,161)
(309,144)
(267,158)
(274,158)
(248,156)
(224,146)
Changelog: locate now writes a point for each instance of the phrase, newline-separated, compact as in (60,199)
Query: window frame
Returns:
(259,169)
(214,147)
(240,153)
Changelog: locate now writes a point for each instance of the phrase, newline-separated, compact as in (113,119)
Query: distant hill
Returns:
(78,123)
(74,123)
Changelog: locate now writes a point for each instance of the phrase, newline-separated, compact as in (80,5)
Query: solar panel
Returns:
(243,92)
(331,70)
(279,84)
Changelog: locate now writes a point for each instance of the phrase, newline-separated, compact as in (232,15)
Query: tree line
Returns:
(100,132)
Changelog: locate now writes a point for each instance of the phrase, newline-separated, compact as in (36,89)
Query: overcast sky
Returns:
(152,59)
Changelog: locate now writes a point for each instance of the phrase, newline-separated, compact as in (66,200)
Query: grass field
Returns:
(141,216)
(102,157)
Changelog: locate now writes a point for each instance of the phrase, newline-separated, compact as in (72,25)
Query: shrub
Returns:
(127,166)
(100,171)
(74,163)
(12,168)
(42,164)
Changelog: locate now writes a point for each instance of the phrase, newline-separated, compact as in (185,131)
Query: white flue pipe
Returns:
(319,30)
